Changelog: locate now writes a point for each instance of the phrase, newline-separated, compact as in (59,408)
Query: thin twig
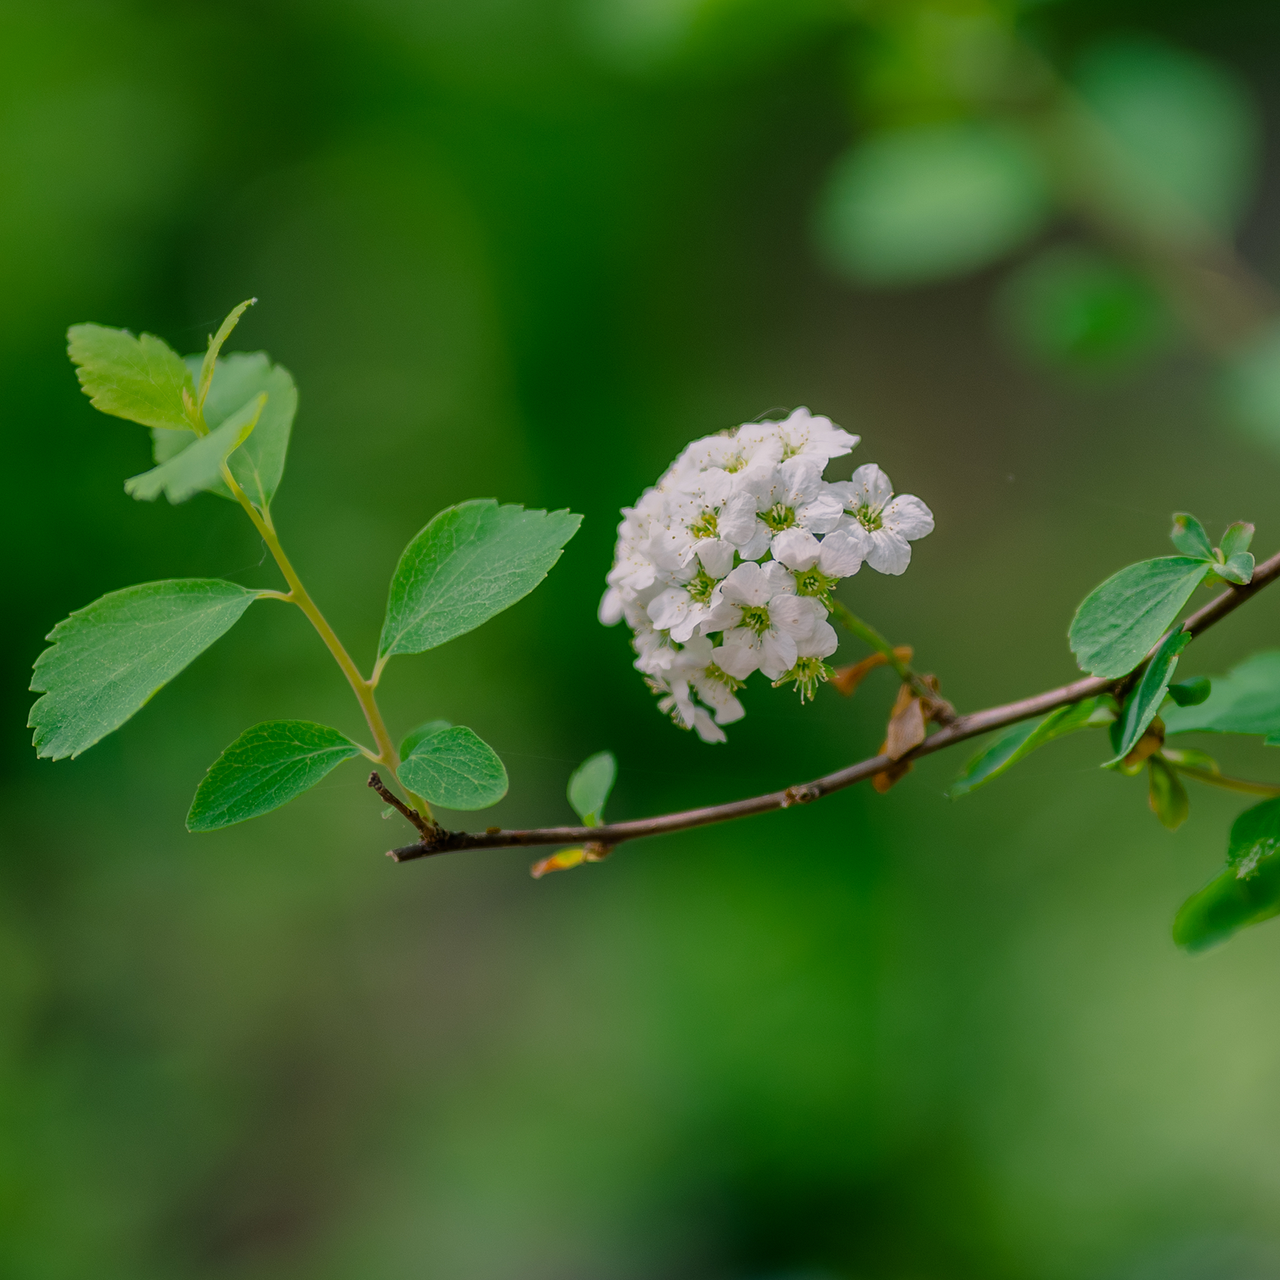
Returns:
(429,829)
(959,730)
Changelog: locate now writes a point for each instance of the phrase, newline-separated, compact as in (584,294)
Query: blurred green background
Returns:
(527,249)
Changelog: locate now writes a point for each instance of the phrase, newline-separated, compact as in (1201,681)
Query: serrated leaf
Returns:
(1246,700)
(1142,704)
(1192,692)
(455,768)
(1189,537)
(110,658)
(210,360)
(1247,892)
(199,465)
(590,785)
(932,201)
(421,734)
(1237,538)
(1119,621)
(1166,795)
(265,767)
(471,562)
(141,379)
(1021,741)
(259,464)
(1238,569)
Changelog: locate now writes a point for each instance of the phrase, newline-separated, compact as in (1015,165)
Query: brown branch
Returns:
(958,730)
(429,830)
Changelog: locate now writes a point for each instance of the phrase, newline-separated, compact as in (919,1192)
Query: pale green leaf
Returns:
(1189,537)
(1166,795)
(198,465)
(1142,704)
(471,562)
(265,767)
(259,463)
(1237,538)
(1119,622)
(215,346)
(930,202)
(590,785)
(1238,569)
(421,734)
(455,768)
(1020,741)
(1247,700)
(1247,892)
(141,379)
(110,658)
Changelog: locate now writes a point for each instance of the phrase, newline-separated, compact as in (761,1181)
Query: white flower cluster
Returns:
(727,565)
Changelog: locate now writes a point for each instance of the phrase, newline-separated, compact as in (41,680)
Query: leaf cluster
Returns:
(222,424)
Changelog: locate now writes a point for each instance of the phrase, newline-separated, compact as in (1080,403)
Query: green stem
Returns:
(1227,783)
(864,631)
(298,594)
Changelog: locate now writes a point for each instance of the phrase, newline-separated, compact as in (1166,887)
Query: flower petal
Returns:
(908,516)
(796,548)
(716,555)
(779,653)
(843,551)
(610,610)
(889,552)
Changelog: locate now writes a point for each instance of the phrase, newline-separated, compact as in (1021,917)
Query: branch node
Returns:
(804,793)
(429,830)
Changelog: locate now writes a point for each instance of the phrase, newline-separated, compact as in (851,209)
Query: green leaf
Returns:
(590,785)
(1247,892)
(1237,538)
(455,768)
(1189,758)
(1074,308)
(265,767)
(1023,739)
(141,379)
(1166,795)
(421,734)
(1118,622)
(930,202)
(197,466)
(1238,569)
(1247,700)
(259,464)
(1142,704)
(1189,537)
(471,562)
(215,345)
(1192,692)
(110,658)
(1181,136)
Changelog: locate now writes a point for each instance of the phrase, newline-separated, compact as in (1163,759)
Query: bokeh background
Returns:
(527,249)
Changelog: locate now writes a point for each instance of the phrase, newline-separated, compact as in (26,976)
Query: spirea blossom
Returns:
(727,565)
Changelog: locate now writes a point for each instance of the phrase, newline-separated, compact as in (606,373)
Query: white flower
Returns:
(892,523)
(804,435)
(789,496)
(839,555)
(762,619)
(680,673)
